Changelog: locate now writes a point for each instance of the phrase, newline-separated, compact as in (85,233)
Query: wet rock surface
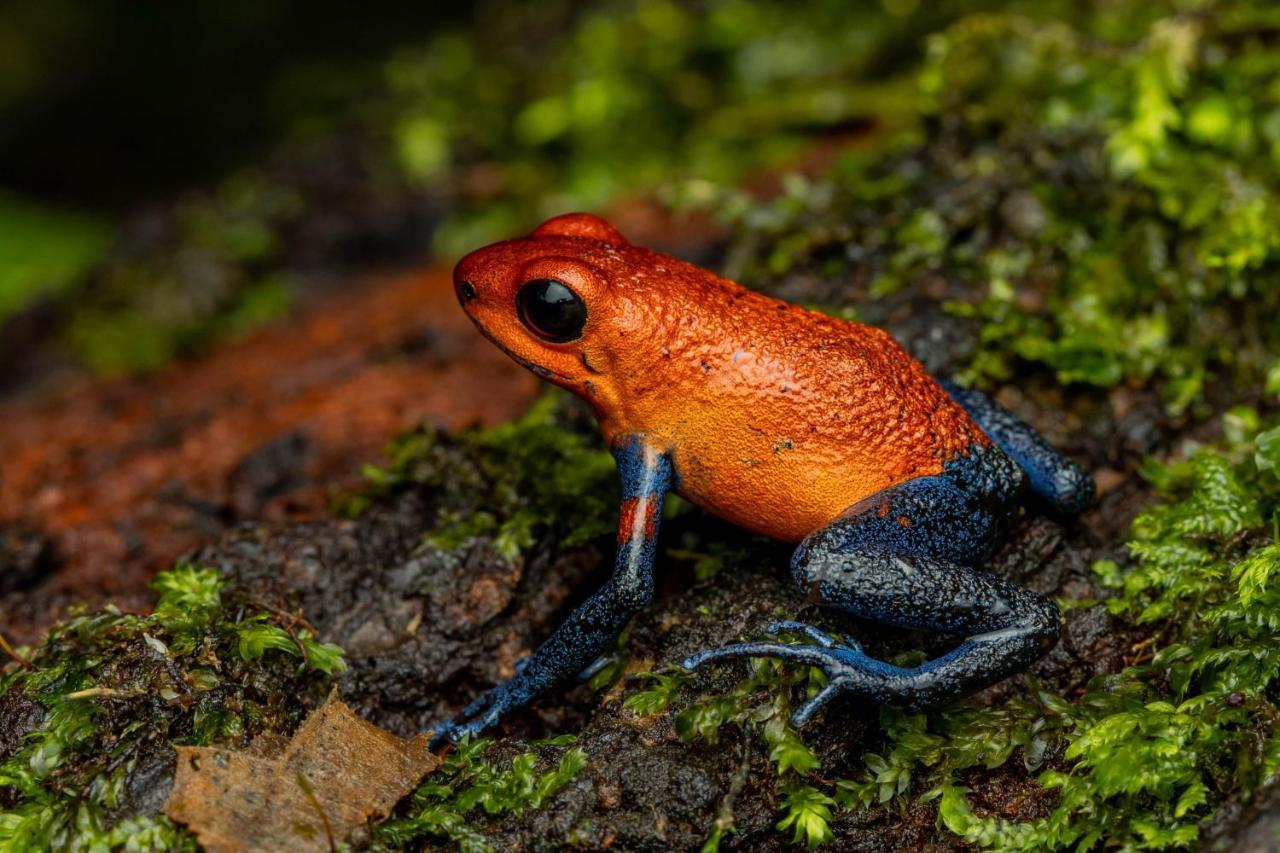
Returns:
(19,716)
(422,626)
(25,558)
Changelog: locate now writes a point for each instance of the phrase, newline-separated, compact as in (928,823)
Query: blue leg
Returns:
(898,558)
(586,634)
(819,637)
(1061,483)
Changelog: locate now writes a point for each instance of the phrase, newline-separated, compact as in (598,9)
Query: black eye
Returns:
(551,310)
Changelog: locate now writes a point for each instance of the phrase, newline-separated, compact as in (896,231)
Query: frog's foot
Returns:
(847,667)
(489,709)
(484,713)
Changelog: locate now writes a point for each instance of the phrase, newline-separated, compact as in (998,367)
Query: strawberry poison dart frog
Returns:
(787,422)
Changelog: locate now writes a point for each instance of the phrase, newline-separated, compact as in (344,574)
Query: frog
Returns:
(792,423)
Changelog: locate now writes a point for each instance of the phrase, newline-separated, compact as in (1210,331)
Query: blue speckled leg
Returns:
(903,557)
(1062,484)
(646,477)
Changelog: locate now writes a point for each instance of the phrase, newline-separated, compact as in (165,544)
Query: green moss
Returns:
(513,482)
(672,90)
(760,704)
(114,688)
(440,807)
(655,698)
(257,635)
(808,815)
(1106,204)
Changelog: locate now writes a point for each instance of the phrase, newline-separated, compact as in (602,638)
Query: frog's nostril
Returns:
(467,291)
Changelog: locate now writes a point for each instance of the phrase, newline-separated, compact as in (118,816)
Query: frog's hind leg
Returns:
(1063,485)
(903,558)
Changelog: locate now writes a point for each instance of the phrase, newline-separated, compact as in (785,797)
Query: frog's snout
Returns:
(464,280)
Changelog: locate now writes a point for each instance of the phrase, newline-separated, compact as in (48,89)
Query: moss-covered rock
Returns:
(92,714)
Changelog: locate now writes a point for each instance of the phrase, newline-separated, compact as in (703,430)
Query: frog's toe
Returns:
(469,722)
(596,666)
(812,655)
(819,636)
(443,734)
(848,669)
(485,712)
(805,712)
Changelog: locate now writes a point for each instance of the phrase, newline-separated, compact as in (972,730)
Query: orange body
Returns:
(777,418)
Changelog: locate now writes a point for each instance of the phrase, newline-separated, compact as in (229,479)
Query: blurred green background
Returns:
(174,174)
(171,173)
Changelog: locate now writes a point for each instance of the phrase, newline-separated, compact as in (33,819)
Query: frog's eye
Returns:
(550,310)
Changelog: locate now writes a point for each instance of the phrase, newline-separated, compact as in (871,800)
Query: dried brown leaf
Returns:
(310,794)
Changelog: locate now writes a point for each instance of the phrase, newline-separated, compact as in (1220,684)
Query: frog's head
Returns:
(546,299)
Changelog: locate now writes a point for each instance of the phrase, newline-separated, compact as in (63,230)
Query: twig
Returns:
(302,647)
(104,693)
(305,784)
(9,650)
(293,618)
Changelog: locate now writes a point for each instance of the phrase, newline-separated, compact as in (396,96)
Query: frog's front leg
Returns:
(903,557)
(646,477)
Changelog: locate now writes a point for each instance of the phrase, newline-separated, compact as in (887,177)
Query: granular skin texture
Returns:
(778,418)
